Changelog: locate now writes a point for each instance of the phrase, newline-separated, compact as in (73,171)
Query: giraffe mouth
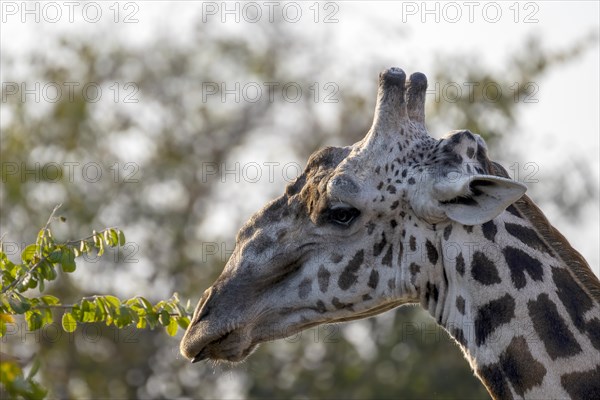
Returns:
(205,352)
(231,346)
(237,344)
(372,311)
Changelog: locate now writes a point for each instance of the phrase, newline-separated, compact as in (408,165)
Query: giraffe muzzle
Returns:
(215,334)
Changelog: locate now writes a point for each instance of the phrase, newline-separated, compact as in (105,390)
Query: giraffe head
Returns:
(352,235)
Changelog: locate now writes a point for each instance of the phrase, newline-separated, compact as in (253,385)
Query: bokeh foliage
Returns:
(152,154)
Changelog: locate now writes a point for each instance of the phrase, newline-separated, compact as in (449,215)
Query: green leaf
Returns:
(113,301)
(172,327)
(40,236)
(47,271)
(32,283)
(108,310)
(101,304)
(121,238)
(114,237)
(36,391)
(97,239)
(50,300)
(99,313)
(4,304)
(145,303)
(100,248)
(164,318)
(2,327)
(152,319)
(125,317)
(28,253)
(19,304)
(76,312)
(47,245)
(68,322)
(47,317)
(34,320)
(89,311)
(8,266)
(106,237)
(67,261)
(55,256)
(141,323)
(84,247)
(183,322)
(111,237)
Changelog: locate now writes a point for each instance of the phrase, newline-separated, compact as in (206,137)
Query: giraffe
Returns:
(400,217)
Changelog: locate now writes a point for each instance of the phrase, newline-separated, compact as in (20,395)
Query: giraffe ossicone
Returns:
(401,217)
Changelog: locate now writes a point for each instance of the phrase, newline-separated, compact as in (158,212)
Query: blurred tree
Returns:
(149,155)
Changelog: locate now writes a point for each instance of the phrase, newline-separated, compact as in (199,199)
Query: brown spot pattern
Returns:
(483,269)
(575,300)
(379,246)
(551,328)
(447,232)
(305,288)
(489,230)
(582,385)
(520,262)
(460,304)
(494,380)
(349,276)
(522,370)
(460,264)
(432,253)
(323,278)
(387,259)
(373,279)
(491,315)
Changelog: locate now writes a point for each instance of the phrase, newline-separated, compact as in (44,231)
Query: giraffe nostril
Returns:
(203,307)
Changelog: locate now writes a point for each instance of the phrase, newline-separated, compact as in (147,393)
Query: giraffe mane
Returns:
(578,266)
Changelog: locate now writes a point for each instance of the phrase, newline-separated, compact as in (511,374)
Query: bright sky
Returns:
(563,124)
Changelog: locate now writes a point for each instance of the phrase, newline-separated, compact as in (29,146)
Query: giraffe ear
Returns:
(476,199)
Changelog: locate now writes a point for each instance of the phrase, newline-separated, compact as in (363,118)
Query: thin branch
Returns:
(70,306)
(52,216)
(73,242)
(22,277)
(68,243)
(26,274)
(55,306)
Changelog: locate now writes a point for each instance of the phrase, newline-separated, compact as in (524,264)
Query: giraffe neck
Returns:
(523,305)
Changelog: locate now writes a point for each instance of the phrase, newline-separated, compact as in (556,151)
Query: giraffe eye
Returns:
(342,216)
